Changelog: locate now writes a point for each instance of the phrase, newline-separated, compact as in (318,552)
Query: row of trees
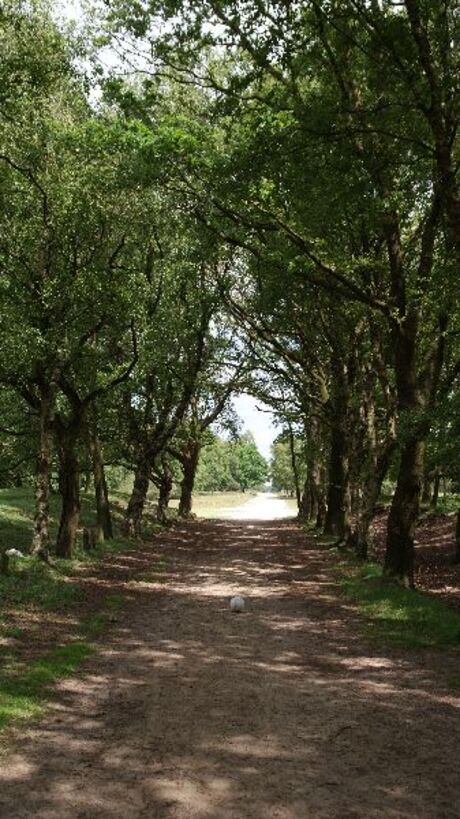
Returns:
(333,131)
(115,347)
(264,196)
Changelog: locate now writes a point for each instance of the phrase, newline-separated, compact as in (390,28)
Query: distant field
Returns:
(214,504)
(211,505)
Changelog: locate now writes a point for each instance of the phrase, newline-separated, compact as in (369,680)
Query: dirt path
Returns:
(192,712)
(264,506)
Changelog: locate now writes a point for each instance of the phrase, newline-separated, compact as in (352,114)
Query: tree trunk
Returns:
(312,492)
(371,465)
(40,540)
(295,471)
(436,485)
(4,562)
(321,516)
(104,517)
(189,465)
(457,538)
(402,520)
(165,487)
(135,508)
(69,487)
(305,501)
(372,486)
(426,489)
(338,495)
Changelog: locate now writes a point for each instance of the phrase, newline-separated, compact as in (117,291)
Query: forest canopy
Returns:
(203,198)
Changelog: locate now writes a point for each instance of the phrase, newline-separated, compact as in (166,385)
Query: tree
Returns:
(281,466)
(347,193)
(247,466)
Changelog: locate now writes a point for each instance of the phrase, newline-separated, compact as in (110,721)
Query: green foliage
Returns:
(398,615)
(213,473)
(247,466)
(229,465)
(281,470)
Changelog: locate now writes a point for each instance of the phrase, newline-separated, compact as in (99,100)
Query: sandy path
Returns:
(191,712)
(264,506)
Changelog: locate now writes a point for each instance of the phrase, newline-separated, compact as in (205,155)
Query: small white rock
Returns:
(237,603)
(13,553)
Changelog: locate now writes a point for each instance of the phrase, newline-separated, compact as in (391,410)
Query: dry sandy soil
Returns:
(283,712)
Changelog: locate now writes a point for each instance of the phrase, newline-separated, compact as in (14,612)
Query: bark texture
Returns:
(189,462)
(404,512)
(104,517)
(40,539)
(135,509)
(69,487)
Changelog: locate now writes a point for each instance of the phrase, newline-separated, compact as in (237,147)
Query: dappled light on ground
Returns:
(282,712)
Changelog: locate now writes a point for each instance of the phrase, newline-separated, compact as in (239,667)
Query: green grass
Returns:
(447,505)
(94,626)
(397,615)
(12,632)
(25,690)
(17,708)
(17,511)
(33,583)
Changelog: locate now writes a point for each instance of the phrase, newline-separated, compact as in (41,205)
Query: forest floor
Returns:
(286,711)
(435,570)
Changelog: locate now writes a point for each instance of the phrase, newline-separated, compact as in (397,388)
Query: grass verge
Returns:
(26,689)
(397,615)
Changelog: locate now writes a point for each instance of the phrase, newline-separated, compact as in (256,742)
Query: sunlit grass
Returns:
(399,615)
(24,688)
(214,504)
(17,707)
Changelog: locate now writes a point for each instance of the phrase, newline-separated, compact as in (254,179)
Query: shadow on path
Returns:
(283,712)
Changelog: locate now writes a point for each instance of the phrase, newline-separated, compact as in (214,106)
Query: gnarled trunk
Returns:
(338,494)
(164,495)
(189,466)
(405,507)
(104,517)
(359,536)
(69,487)
(40,539)
(402,520)
(135,508)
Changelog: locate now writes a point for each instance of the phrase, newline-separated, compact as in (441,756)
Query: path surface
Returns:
(265,506)
(192,712)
